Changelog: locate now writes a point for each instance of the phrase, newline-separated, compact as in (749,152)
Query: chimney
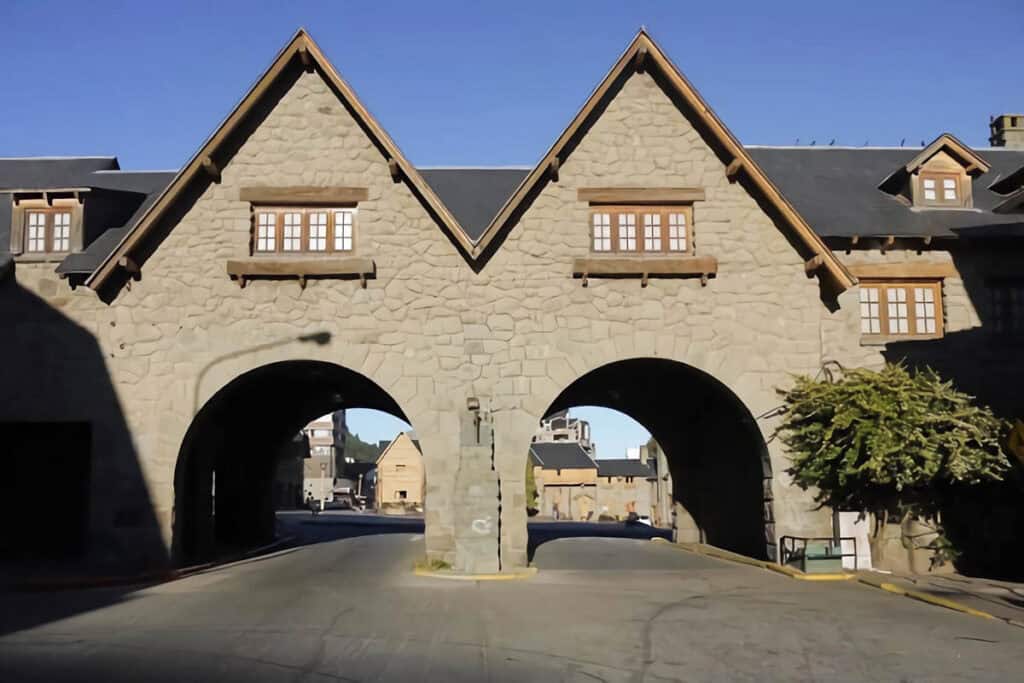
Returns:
(1007,131)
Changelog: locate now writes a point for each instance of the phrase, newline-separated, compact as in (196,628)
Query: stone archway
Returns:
(225,466)
(716,451)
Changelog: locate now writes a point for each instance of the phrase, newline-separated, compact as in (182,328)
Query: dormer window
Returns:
(45,229)
(938,177)
(940,188)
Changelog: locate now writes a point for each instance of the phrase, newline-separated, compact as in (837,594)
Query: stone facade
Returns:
(434,332)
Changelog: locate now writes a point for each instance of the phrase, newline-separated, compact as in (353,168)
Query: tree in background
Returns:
(890,443)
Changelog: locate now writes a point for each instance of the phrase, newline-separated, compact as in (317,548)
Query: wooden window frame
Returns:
(909,285)
(639,211)
(304,236)
(939,177)
(48,230)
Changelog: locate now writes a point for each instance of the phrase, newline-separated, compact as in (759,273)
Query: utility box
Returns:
(818,558)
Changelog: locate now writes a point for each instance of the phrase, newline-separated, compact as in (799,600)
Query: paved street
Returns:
(599,609)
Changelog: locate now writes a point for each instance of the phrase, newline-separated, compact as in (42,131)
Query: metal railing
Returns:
(796,546)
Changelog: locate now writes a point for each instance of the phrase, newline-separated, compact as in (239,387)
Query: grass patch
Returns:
(432,565)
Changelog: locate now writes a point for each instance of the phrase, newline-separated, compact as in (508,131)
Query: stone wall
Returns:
(432,332)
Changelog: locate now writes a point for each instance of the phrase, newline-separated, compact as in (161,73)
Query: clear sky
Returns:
(493,83)
(373,425)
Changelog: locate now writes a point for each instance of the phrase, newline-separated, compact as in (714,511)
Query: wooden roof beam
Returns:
(812,264)
(211,169)
(640,59)
(307,61)
(395,170)
(732,171)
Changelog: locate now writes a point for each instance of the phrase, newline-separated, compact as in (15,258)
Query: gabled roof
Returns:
(973,164)
(407,436)
(622,467)
(896,180)
(643,52)
(836,190)
(300,50)
(567,455)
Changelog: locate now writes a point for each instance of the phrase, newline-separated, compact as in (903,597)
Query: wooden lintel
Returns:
(733,169)
(645,267)
(307,61)
(395,170)
(812,264)
(553,169)
(897,271)
(300,268)
(639,60)
(640,195)
(211,169)
(304,195)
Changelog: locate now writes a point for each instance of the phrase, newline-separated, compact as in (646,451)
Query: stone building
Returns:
(649,263)
(624,488)
(400,480)
(566,478)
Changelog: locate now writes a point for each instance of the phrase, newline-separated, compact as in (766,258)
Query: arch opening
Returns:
(226,490)
(703,438)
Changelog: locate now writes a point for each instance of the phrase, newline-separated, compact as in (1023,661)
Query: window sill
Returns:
(645,267)
(300,268)
(882,340)
(48,257)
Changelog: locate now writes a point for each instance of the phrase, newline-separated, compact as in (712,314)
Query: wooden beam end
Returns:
(395,170)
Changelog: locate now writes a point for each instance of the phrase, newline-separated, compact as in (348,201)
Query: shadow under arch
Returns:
(716,453)
(238,434)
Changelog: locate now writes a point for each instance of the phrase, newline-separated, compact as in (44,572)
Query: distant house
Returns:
(400,477)
(566,478)
(623,488)
(559,427)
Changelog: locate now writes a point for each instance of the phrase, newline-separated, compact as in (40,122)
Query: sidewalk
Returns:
(1002,599)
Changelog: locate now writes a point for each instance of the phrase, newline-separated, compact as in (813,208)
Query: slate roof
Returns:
(93,173)
(561,456)
(474,195)
(836,190)
(622,467)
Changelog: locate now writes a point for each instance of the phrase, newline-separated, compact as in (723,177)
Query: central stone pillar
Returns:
(477,499)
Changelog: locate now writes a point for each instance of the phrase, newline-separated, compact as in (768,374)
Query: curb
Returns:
(861,578)
(455,576)
(895,589)
(155,577)
(718,553)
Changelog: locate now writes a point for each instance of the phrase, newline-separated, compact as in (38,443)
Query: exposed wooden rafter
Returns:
(395,170)
(732,171)
(553,169)
(211,169)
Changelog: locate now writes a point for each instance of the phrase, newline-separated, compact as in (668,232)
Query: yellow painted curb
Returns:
(452,576)
(925,597)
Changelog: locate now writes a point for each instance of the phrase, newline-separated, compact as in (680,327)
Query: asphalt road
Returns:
(599,609)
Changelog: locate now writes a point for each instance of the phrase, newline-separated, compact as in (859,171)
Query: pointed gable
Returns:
(301,53)
(643,54)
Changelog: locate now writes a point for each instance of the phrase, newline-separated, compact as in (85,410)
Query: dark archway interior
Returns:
(239,434)
(715,450)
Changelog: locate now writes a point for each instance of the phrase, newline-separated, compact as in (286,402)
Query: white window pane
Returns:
(677,232)
(949,194)
(602,226)
(929,194)
(266,229)
(929,183)
(318,231)
(627,232)
(652,232)
(343,230)
(876,326)
(949,183)
(292,233)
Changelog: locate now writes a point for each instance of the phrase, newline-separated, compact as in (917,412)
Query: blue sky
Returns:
(493,83)
(612,431)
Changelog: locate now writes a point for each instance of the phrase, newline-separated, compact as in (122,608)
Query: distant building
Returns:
(288,474)
(573,485)
(566,478)
(318,478)
(559,427)
(400,477)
